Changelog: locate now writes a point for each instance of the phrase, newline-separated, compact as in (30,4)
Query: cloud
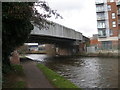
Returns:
(78,14)
(66,5)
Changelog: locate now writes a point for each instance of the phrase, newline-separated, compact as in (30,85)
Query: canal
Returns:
(85,72)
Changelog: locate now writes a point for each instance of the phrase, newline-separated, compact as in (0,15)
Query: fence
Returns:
(103,48)
(108,47)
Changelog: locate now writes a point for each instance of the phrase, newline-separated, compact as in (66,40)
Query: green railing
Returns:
(108,47)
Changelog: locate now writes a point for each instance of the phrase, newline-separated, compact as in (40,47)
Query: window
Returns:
(118,10)
(101,33)
(100,8)
(113,15)
(100,16)
(111,0)
(101,24)
(110,32)
(106,45)
(113,24)
(99,1)
(109,7)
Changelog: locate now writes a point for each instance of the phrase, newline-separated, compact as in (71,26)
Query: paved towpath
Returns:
(34,76)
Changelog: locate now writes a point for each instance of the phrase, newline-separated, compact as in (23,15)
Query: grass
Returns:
(56,80)
(19,84)
(17,69)
(16,84)
(14,79)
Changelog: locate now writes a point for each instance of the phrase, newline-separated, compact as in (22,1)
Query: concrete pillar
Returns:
(50,49)
(64,50)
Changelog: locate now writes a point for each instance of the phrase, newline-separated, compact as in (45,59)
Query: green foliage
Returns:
(16,27)
(18,69)
(57,80)
(19,84)
(23,50)
(13,79)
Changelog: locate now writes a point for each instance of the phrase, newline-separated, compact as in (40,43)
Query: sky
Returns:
(79,15)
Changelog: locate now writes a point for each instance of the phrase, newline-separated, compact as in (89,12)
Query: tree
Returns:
(17,22)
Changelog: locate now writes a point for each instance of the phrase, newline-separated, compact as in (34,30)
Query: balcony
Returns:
(102,36)
(100,18)
(99,3)
(103,27)
(119,22)
(118,12)
(100,10)
(102,33)
(118,3)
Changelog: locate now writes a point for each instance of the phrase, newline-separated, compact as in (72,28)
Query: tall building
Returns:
(107,24)
(118,7)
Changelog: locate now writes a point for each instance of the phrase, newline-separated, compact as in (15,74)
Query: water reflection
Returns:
(37,57)
(85,72)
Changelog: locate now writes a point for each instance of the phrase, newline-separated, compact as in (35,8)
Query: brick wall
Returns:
(93,41)
(14,59)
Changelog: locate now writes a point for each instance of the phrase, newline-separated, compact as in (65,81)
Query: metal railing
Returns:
(109,47)
(118,3)
(100,18)
(101,27)
(118,21)
(99,3)
(101,36)
(118,12)
(100,10)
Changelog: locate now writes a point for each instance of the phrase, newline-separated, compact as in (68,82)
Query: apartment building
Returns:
(118,7)
(107,24)
(118,13)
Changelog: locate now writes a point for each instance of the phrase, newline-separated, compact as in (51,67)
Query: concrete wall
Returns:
(63,51)
(91,49)
(57,30)
(50,49)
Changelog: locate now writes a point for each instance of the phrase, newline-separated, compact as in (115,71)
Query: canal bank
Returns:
(100,54)
(39,76)
(56,80)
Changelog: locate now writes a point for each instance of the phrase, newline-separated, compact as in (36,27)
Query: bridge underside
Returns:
(65,46)
(49,40)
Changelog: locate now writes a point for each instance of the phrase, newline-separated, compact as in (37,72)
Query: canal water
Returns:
(85,72)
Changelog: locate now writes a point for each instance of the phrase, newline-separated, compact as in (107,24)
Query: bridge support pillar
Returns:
(63,50)
(50,49)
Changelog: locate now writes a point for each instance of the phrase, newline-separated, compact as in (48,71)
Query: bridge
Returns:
(66,39)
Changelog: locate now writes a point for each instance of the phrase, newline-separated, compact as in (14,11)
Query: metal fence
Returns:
(108,47)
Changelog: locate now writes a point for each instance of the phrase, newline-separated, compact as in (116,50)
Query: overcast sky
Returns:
(79,15)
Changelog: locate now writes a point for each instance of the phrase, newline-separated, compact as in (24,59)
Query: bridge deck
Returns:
(59,31)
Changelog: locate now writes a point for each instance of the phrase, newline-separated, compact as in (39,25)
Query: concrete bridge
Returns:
(66,39)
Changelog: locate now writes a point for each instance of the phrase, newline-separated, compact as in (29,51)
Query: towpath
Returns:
(34,76)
